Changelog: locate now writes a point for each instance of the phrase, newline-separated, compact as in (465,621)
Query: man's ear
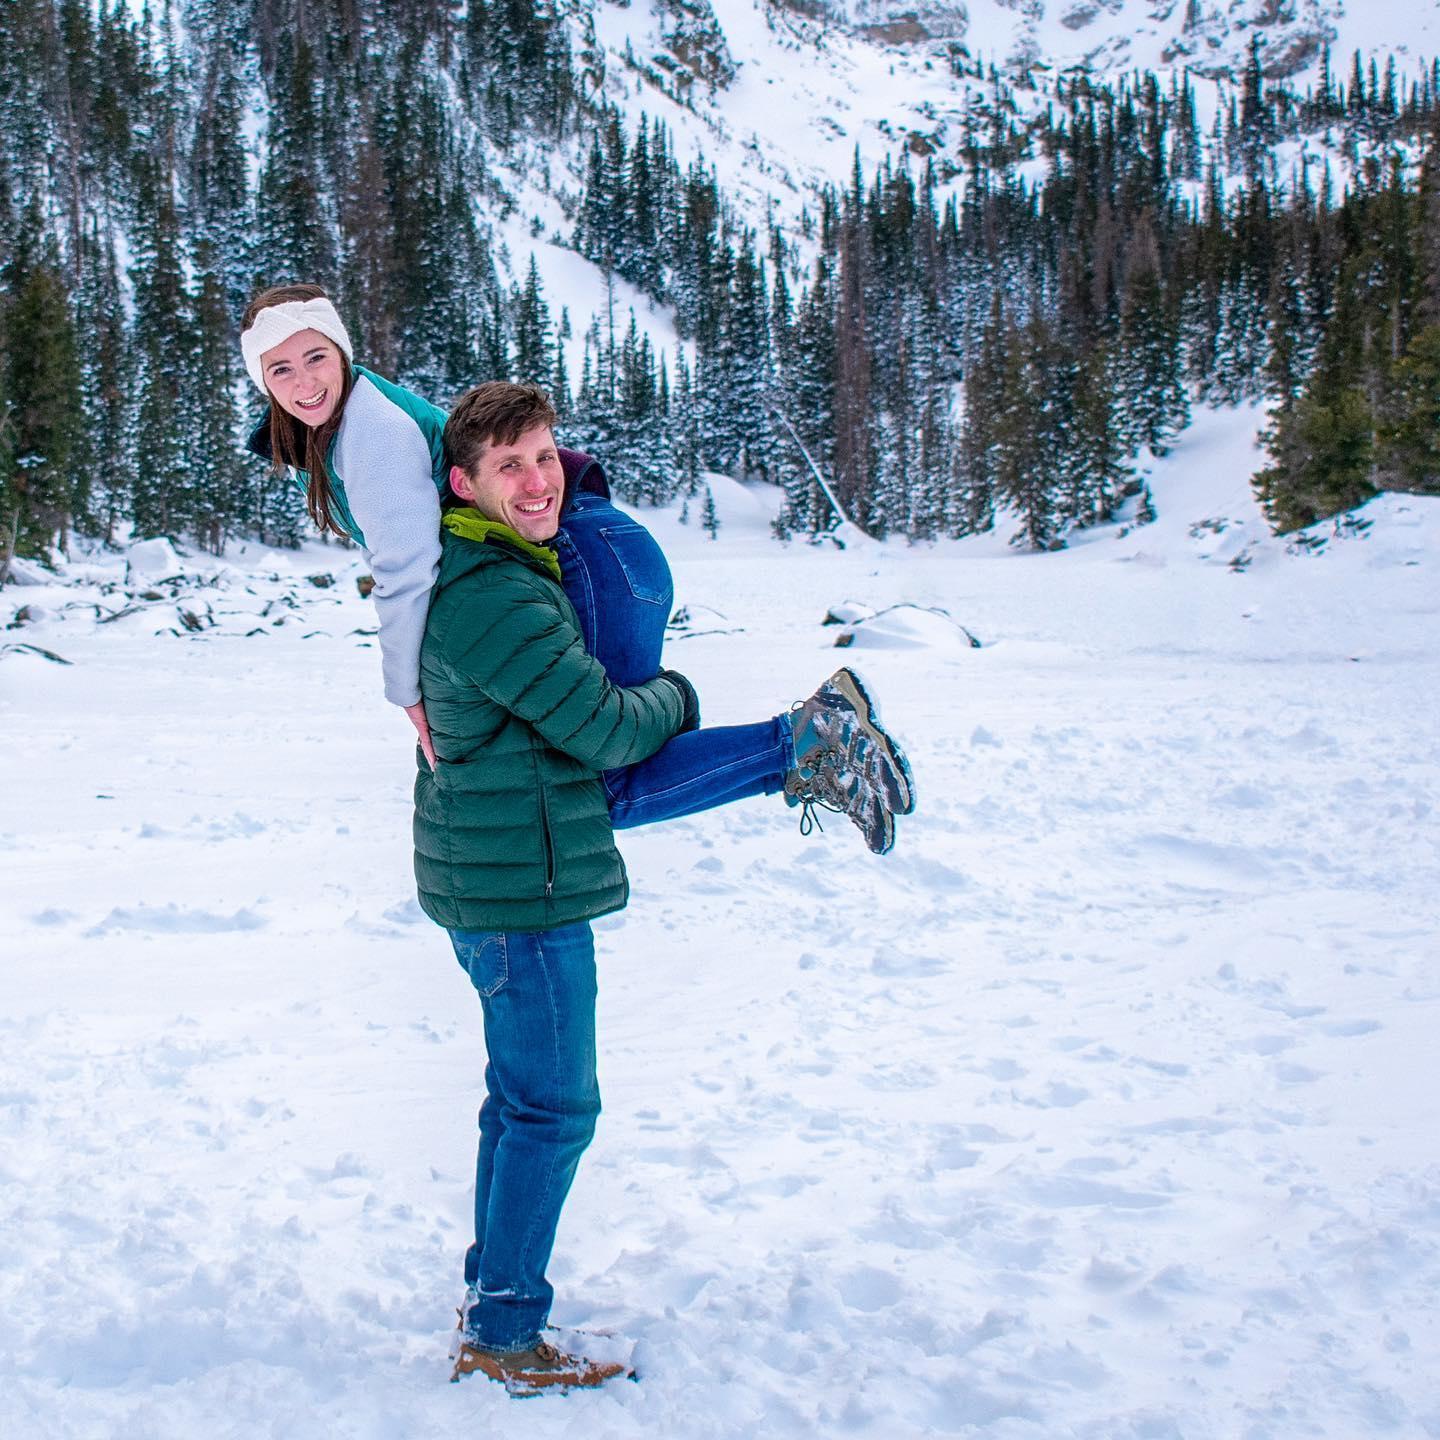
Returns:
(460,484)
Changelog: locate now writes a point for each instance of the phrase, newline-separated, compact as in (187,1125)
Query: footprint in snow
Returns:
(1288,1074)
(1348,1029)
(888,962)
(1064,1192)
(908,1076)
(170,919)
(1005,1070)
(869,1289)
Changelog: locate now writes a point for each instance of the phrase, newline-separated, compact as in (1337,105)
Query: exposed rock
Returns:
(892,22)
(906,30)
(1292,55)
(692,34)
(1081,14)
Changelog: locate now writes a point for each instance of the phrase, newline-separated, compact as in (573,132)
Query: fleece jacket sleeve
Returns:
(385,463)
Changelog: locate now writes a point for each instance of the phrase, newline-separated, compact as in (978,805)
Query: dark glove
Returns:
(689,698)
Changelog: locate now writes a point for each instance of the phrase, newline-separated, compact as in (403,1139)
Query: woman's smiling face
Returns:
(305,376)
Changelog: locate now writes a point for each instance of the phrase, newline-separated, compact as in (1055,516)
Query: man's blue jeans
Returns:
(538,995)
(619,582)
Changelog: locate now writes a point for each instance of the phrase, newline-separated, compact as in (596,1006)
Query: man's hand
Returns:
(688,695)
(416,712)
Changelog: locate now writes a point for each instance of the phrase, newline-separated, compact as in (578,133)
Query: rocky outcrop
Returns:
(695,47)
(893,22)
(1212,36)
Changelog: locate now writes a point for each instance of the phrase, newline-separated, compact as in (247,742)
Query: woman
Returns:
(370,457)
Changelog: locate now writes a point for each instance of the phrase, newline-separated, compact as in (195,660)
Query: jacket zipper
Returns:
(549,843)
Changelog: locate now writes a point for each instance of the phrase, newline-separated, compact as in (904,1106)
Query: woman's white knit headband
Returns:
(275,324)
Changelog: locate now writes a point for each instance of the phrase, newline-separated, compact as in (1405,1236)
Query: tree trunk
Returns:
(7,554)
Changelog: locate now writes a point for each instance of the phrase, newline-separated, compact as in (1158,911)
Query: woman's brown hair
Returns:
(293,443)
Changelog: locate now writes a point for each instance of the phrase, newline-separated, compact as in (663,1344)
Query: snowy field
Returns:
(1104,1107)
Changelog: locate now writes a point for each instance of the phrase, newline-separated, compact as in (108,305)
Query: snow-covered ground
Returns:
(1105,1106)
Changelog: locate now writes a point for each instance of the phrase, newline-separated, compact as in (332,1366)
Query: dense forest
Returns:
(998,327)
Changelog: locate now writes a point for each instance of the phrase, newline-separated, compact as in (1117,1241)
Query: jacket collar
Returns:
(259,441)
(470,524)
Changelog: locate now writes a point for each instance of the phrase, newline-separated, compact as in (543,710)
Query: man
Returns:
(515,853)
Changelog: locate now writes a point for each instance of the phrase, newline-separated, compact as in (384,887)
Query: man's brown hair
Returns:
(496,413)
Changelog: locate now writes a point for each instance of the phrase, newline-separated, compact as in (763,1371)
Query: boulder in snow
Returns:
(28,572)
(907,627)
(152,560)
(847,612)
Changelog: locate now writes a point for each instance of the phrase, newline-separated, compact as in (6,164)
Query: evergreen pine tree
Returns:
(709,517)
(531,350)
(1323,446)
(560,379)
(1026,420)
(40,491)
(1409,443)
(373,274)
(1324,451)
(107,372)
(297,240)
(220,202)
(212,454)
(806,397)
(1098,467)
(1156,406)
(164,488)
(683,423)
(972,509)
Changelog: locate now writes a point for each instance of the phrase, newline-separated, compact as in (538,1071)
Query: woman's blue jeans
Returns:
(619,582)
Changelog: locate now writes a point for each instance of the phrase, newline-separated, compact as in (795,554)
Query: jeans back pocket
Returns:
(641,561)
(483,957)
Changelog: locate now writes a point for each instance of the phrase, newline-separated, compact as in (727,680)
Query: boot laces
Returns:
(814,793)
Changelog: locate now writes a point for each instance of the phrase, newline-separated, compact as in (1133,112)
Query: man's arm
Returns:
(531,660)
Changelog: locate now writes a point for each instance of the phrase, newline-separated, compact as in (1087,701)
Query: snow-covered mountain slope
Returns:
(802,97)
(1099,1109)
(779,97)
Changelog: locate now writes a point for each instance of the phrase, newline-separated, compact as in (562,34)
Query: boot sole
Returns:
(524,1384)
(849,683)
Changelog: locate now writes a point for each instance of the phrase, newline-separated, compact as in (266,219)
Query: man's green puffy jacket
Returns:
(512,831)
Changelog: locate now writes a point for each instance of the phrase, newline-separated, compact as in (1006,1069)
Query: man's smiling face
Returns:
(520,485)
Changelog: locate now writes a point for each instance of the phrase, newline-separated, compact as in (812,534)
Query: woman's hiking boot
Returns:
(846,762)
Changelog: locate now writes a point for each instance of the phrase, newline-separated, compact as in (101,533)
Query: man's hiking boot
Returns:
(845,761)
(541,1367)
